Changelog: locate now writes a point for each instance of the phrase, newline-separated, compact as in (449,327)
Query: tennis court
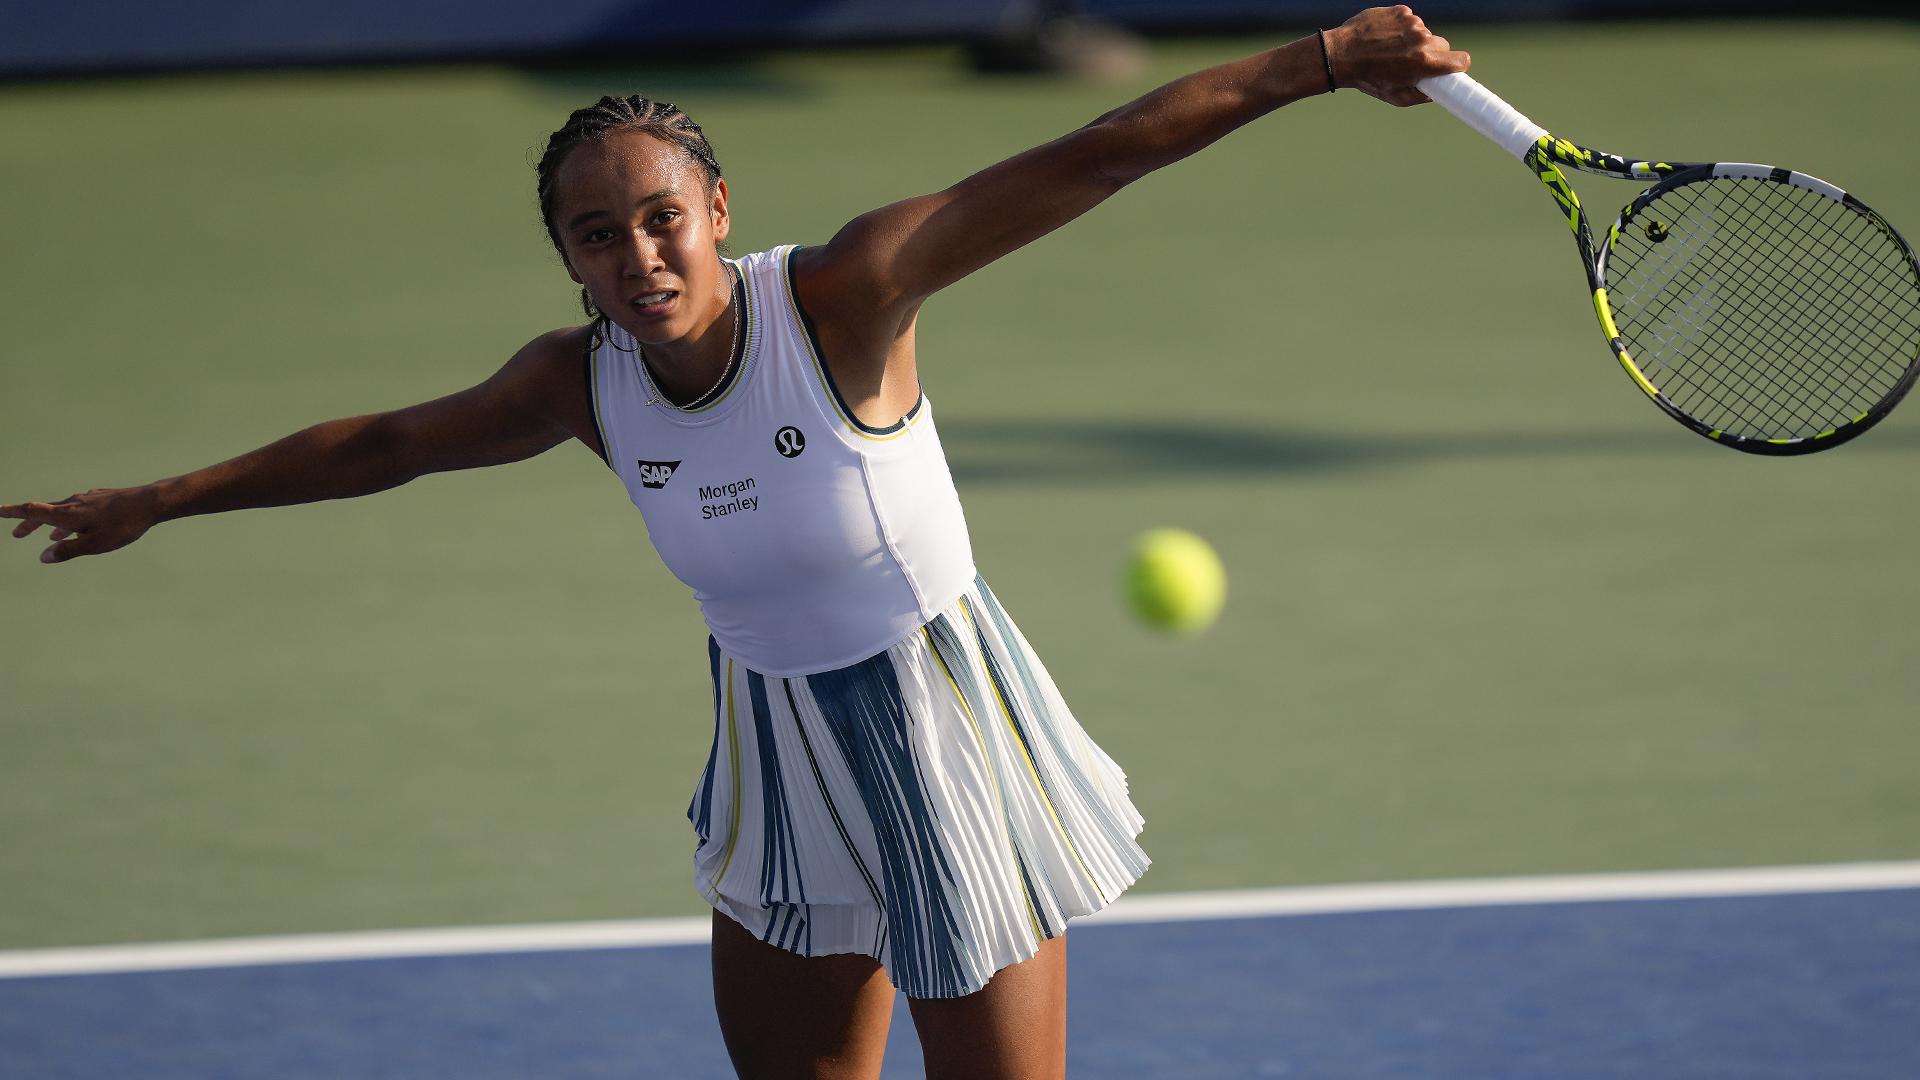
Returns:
(1491,614)
(1785,973)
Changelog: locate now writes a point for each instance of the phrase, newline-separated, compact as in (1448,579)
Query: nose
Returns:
(642,254)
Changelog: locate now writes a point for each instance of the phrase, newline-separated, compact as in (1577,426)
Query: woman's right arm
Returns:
(537,401)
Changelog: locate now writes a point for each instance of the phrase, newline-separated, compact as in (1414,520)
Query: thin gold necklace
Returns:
(655,397)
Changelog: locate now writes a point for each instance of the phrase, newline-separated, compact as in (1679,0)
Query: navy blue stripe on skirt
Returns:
(935,806)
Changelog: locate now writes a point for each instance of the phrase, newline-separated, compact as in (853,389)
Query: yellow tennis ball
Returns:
(1175,582)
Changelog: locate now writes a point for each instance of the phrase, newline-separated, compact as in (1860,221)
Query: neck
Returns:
(686,370)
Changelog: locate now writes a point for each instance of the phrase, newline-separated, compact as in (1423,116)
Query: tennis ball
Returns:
(1175,582)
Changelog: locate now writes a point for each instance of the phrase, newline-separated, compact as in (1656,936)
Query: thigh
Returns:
(790,1017)
(1013,1029)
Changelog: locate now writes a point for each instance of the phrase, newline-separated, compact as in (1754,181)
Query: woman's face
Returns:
(637,227)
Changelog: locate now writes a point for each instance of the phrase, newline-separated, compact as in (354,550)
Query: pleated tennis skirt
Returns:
(934,806)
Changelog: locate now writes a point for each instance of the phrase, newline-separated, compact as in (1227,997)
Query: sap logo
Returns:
(655,474)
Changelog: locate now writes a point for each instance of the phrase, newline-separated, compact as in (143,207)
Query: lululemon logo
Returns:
(655,474)
(789,442)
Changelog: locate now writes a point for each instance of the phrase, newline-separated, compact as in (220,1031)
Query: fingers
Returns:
(1384,51)
(71,549)
(101,520)
(59,553)
(73,543)
(33,516)
(36,514)
(69,540)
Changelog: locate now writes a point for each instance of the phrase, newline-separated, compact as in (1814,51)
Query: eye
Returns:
(665,217)
(599,236)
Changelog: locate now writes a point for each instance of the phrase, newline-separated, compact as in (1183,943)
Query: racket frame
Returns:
(1545,154)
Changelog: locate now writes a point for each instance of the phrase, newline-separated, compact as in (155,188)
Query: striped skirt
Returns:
(934,806)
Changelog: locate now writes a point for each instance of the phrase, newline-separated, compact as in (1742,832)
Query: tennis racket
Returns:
(1765,309)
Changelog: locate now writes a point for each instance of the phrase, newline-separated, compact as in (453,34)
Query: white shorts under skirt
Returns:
(934,806)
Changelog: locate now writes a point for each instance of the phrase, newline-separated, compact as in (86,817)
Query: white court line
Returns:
(356,945)
(1150,907)
(1490,892)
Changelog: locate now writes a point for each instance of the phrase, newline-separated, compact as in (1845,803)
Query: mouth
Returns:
(654,303)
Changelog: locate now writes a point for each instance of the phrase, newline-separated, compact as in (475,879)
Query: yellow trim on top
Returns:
(747,331)
(599,418)
(800,319)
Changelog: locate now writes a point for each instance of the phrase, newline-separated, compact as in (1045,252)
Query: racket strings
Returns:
(1768,391)
(1835,384)
(1767,311)
(1839,386)
(1769,385)
(1850,241)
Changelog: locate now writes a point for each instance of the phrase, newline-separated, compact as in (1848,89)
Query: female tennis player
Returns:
(897,796)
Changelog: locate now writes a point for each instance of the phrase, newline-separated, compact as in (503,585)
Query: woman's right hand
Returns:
(534,403)
(91,523)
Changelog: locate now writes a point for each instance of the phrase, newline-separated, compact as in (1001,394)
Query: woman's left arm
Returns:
(880,267)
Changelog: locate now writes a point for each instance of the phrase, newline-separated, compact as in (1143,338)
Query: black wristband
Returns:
(1327,60)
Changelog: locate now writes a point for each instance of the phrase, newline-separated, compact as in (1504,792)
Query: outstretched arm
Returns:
(532,404)
(891,259)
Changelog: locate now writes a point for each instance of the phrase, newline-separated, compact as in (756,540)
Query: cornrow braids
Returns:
(660,119)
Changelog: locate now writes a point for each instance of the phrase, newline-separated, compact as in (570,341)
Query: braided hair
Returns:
(660,119)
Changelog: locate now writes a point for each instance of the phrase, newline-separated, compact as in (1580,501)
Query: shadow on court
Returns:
(1100,451)
(1760,988)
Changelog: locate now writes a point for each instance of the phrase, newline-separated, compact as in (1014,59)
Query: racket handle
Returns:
(1483,111)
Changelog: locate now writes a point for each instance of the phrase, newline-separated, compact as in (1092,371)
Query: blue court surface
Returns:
(1822,985)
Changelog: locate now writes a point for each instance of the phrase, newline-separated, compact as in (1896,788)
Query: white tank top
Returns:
(811,540)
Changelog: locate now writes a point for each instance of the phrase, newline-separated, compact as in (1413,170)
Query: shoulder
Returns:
(829,281)
(570,341)
(552,355)
(548,378)
(808,261)
(813,275)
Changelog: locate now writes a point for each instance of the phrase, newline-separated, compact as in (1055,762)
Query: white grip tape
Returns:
(1483,111)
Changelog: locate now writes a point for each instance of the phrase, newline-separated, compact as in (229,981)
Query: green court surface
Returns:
(1491,613)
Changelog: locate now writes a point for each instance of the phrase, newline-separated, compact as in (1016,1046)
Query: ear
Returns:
(722,224)
(571,272)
